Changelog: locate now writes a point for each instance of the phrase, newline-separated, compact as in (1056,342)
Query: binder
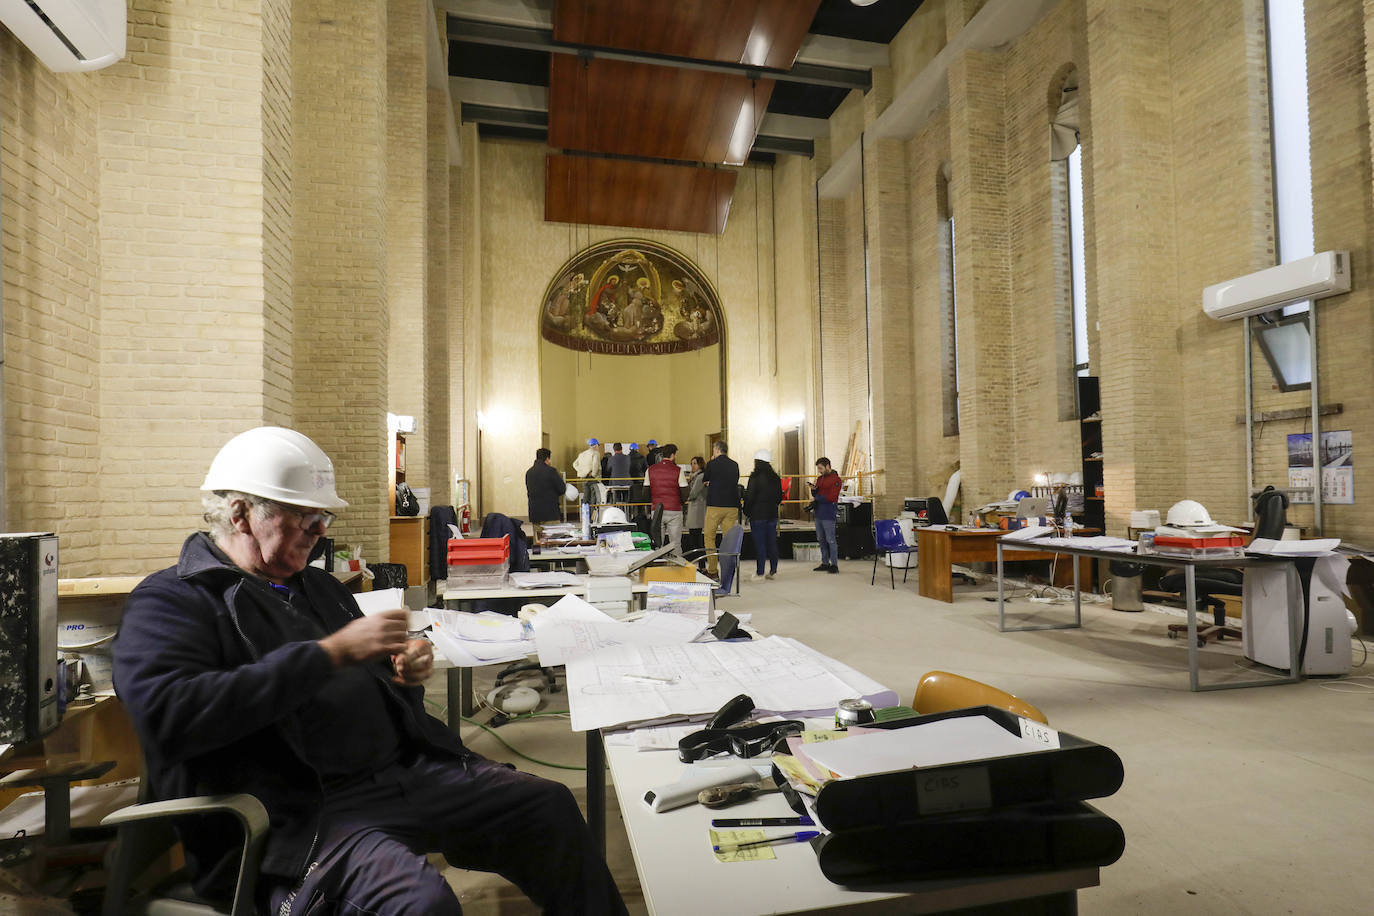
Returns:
(1003,842)
(1075,771)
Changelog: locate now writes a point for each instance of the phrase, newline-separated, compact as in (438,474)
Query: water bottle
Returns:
(585,513)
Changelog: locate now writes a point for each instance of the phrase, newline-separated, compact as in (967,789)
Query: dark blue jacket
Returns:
(544,486)
(215,691)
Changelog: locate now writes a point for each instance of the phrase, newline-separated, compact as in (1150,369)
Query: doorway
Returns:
(790,468)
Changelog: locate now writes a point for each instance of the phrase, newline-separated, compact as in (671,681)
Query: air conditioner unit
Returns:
(69,35)
(1322,275)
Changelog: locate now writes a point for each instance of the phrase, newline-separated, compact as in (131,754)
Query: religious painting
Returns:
(630,297)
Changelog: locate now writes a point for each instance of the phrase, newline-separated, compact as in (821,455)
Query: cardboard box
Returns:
(668,574)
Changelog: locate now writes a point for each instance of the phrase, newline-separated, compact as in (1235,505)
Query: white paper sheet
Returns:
(486,626)
(1028,532)
(780,674)
(945,741)
(1318,547)
(543,579)
(383,599)
(559,641)
(1094,543)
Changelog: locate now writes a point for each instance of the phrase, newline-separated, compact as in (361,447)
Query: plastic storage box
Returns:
(477,562)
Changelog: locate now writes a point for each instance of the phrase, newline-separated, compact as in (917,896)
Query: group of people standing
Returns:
(712,502)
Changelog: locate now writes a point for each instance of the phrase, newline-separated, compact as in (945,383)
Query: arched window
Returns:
(949,304)
(1066,183)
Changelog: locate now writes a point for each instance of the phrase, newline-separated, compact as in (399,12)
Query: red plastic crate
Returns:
(478,551)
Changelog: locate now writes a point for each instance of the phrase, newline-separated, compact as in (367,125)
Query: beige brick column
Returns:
(194,219)
(437,343)
(890,321)
(1135,254)
(835,353)
(982,273)
(342,317)
(406,226)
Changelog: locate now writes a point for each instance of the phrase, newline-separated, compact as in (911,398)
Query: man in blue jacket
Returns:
(245,670)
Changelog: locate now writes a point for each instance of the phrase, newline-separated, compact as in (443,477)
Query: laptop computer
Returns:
(1033,507)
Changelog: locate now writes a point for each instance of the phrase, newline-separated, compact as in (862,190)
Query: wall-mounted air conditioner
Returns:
(1322,275)
(68,35)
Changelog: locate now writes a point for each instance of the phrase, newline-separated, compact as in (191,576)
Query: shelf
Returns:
(1095,499)
(1092,459)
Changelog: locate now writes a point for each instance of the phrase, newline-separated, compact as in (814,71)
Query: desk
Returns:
(680,875)
(1189,567)
(938,548)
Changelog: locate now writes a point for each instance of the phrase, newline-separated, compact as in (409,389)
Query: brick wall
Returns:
(50,179)
(342,316)
(406,201)
(437,339)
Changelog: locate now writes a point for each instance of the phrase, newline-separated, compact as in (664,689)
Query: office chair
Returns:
(1208,582)
(939,691)
(656,527)
(145,833)
(887,539)
(727,559)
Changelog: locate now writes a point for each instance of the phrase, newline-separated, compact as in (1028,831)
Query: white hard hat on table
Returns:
(1187,513)
(277,464)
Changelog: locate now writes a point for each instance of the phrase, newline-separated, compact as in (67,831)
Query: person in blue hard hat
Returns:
(244,669)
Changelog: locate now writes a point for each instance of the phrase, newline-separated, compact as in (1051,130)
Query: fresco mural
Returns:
(630,297)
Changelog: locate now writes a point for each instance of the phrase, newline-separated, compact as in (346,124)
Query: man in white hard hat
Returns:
(246,670)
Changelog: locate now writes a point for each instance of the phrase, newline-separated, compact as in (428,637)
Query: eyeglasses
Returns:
(306,518)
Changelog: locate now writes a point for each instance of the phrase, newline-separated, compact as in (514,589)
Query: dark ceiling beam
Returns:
(537,39)
(524,119)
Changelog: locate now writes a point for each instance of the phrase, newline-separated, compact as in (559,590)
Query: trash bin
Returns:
(1125,585)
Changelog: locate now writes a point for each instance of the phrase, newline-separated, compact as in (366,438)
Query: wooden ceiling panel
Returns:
(631,109)
(641,195)
(758,33)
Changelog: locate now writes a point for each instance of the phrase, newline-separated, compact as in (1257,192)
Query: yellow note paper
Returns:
(752,854)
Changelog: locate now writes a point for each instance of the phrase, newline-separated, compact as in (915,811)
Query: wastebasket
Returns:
(1125,585)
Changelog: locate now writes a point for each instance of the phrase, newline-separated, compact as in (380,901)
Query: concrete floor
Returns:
(1252,801)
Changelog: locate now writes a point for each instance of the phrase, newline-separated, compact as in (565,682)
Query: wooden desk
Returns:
(937,549)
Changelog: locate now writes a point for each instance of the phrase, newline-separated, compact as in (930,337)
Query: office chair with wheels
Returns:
(145,833)
(887,540)
(939,691)
(1209,582)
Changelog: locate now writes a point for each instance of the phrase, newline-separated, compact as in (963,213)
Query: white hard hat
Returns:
(277,464)
(1187,513)
(763,455)
(570,493)
(612,515)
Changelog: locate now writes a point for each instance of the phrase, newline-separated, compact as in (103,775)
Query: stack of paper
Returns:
(572,627)
(628,683)
(473,640)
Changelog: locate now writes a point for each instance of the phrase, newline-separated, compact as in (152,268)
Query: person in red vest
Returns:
(665,482)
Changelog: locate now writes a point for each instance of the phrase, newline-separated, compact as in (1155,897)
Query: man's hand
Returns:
(415,664)
(366,638)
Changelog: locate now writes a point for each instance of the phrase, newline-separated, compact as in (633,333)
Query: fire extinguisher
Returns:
(465,521)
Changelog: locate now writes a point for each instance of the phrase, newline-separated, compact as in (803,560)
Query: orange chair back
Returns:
(939,691)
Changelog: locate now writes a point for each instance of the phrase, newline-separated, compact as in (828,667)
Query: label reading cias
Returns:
(1039,734)
(965,789)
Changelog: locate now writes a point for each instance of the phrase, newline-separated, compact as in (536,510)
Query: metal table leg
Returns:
(1294,616)
(596,789)
(1001,601)
(1002,609)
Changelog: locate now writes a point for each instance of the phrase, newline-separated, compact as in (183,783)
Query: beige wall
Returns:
(521,252)
(671,398)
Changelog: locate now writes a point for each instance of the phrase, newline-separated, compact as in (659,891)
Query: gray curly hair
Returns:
(220,512)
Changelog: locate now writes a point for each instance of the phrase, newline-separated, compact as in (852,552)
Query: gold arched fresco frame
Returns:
(592,283)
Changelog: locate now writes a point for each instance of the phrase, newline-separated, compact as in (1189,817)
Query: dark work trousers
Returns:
(480,815)
(765,532)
